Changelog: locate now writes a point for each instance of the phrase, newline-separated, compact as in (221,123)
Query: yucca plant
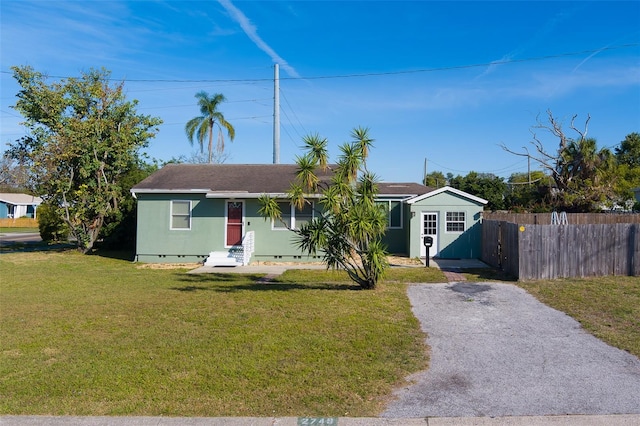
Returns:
(348,229)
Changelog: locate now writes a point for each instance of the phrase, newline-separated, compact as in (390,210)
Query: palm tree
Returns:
(203,126)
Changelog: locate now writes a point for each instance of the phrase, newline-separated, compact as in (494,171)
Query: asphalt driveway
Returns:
(497,351)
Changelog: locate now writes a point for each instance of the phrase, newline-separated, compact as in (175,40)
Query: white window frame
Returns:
(171,215)
(448,221)
(276,224)
(389,201)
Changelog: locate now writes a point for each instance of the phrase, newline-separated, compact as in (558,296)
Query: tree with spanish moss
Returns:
(349,226)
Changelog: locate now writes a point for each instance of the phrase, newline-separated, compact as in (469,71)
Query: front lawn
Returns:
(89,335)
(14,230)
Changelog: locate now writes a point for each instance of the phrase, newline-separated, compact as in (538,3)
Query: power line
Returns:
(293,111)
(507,168)
(375,74)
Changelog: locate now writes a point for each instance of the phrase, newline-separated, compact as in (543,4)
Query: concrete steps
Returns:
(221,258)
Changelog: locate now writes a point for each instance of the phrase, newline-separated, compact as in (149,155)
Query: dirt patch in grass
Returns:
(164,266)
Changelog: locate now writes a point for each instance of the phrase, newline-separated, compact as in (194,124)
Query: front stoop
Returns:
(221,258)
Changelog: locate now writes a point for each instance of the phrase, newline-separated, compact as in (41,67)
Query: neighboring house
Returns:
(18,205)
(193,212)
(636,192)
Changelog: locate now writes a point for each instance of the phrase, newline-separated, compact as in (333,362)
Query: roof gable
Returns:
(451,190)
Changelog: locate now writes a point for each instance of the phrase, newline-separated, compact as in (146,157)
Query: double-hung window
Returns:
(393,210)
(455,221)
(293,217)
(305,215)
(181,215)
(285,216)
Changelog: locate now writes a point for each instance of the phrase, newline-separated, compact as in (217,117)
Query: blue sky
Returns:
(442,81)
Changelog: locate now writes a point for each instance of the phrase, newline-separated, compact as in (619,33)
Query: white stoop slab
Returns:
(221,258)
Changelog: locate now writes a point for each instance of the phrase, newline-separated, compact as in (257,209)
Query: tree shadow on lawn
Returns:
(127,255)
(7,247)
(230,283)
(487,274)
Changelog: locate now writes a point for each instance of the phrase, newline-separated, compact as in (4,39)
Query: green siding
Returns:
(395,240)
(156,242)
(465,245)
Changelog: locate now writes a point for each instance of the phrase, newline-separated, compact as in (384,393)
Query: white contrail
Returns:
(251,32)
(589,57)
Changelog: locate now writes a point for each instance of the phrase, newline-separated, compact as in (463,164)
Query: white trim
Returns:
(171,228)
(244,195)
(292,216)
(168,191)
(400,197)
(447,189)
(446,221)
(388,201)
(282,226)
(436,241)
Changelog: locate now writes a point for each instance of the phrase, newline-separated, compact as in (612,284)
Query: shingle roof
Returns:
(20,199)
(249,178)
(413,189)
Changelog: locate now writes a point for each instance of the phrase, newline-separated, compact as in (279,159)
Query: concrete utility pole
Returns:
(276,115)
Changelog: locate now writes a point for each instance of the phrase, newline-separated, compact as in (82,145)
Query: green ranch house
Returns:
(209,213)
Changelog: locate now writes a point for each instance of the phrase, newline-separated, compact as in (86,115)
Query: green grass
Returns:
(486,274)
(89,335)
(8,230)
(608,307)
(392,275)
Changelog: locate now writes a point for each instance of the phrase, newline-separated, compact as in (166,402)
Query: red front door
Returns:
(234,223)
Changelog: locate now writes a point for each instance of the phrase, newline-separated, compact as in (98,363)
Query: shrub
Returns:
(51,225)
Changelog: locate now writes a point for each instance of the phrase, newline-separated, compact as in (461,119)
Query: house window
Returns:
(293,217)
(393,210)
(455,221)
(303,216)
(285,210)
(181,215)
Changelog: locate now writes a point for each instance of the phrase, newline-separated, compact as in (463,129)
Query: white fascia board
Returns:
(168,191)
(233,194)
(399,197)
(448,189)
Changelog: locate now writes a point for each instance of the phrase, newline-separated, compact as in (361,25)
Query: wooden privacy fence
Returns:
(532,252)
(572,218)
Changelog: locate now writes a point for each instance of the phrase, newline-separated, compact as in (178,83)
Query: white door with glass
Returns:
(429,229)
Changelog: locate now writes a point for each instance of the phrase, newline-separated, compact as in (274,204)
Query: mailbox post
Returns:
(428,242)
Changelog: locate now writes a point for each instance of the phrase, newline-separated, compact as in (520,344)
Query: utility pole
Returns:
(276,115)
(528,166)
(528,162)
(424,172)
